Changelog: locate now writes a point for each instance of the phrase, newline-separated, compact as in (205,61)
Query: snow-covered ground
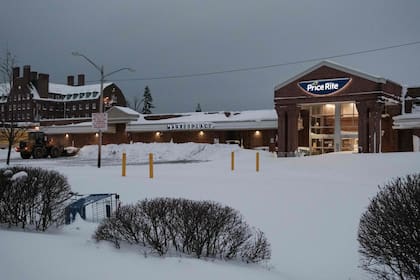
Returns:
(308,207)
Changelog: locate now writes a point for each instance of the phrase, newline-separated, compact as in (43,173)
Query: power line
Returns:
(261,67)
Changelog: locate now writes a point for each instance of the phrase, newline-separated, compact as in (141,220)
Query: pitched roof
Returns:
(336,66)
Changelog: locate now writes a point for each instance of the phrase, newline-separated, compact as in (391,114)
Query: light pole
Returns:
(101,94)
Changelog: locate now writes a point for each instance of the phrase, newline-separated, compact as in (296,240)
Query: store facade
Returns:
(332,108)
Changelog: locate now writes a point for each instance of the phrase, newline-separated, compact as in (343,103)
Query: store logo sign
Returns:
(324,87)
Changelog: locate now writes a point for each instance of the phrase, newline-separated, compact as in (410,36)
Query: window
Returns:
(80,107)
(87,106)
(74,107)
(28,106)
(93,106)
(114,98)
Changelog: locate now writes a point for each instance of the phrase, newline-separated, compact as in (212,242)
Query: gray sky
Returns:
(173,37)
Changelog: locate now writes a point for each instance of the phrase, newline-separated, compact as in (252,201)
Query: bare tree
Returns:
(9,130)
(136,104)
(389,231)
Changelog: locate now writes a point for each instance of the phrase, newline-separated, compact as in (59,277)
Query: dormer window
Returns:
(75,95)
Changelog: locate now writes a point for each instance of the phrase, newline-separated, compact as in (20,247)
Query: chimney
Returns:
(70,80)
(34,76)
(43,81)
(81,80)
(26,73)
(16,73)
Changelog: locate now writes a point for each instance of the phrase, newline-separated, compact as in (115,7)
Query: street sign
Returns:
(100,121)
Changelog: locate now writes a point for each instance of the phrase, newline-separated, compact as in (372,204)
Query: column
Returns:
(363,129)
(292,130)
(375,131)
(337,128)
(281,130)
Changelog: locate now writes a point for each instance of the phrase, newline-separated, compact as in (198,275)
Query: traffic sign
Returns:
(100,121)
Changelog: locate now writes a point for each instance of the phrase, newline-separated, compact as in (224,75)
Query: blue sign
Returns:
(324,87)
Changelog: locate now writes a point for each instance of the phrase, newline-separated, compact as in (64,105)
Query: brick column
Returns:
(292,130)
(363,129)
(375,134)
(287,133)
(281,130)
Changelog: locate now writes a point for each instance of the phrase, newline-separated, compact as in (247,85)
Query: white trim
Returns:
(334,66)
(313,98)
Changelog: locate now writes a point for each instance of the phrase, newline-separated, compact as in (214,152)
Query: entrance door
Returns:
(333,127)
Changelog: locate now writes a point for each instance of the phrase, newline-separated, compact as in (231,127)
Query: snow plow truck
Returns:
(37,145)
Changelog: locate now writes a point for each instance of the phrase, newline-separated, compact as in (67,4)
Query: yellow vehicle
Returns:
(38,146)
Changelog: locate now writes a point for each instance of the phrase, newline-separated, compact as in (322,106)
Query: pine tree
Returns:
(147,101)
(198,108)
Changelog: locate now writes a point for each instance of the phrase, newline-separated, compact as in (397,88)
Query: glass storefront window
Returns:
(330,131)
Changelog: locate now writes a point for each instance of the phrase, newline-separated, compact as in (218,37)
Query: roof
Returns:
(407,121)
(119,114)
(221,120)
(4,88)
(235,120)
(336,66)
(70,93)
(86,92)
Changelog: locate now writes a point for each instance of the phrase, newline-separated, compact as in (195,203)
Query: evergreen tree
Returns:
(198,108)
(147,101)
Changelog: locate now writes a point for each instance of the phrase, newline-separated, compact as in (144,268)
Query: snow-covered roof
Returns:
(336,66)
(86,92)
(4,89)
(407,121)
(125,110)
(235,120)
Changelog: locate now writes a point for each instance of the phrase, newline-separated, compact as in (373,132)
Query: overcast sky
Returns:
(175,37)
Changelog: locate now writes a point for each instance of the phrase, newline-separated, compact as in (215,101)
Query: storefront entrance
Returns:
(333,127)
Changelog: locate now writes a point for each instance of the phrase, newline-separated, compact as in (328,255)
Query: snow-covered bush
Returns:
(389,231)
(32,197)
(197,228)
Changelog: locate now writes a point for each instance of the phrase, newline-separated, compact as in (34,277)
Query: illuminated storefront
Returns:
(332,108)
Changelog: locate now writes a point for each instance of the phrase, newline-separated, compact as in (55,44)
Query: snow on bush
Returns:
(196,228)
(32,196)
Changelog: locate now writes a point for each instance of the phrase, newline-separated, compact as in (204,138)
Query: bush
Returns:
(197,228)
(32,196)
(389,231)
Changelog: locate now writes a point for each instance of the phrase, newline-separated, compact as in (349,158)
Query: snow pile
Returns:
(308,207)
(162,152)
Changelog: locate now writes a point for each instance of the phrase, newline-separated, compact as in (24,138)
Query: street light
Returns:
(101,95)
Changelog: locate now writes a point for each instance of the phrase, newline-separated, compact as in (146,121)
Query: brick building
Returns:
(33,99)
(331,108)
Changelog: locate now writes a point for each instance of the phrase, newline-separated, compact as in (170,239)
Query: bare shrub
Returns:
(197,228)
(32,196)
(389,231)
